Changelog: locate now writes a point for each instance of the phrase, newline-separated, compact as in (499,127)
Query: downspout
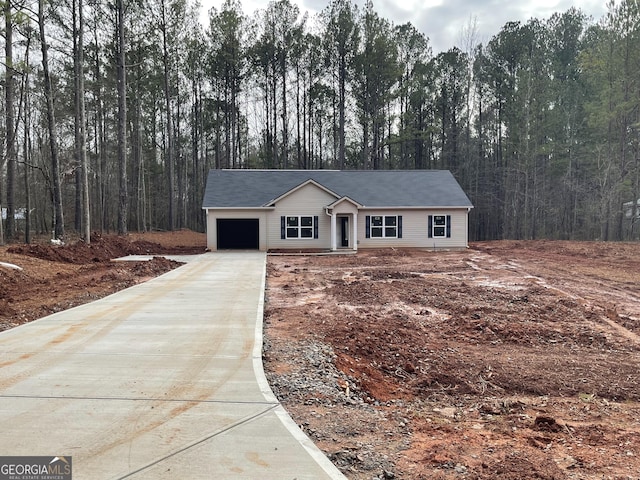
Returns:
(467,229)
(355,230)
(334,245)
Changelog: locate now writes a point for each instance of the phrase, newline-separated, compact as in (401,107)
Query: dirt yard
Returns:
(509,360)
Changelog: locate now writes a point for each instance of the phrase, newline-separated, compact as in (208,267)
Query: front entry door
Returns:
(344,231)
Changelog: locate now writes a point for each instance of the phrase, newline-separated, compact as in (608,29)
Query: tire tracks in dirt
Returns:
(596,299)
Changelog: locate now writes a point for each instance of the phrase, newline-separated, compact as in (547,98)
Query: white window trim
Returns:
(299,227)
(383,226)
(443,226)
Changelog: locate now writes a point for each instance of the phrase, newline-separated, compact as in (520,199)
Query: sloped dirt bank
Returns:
(51,278)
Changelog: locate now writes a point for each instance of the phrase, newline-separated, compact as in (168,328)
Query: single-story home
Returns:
(335,209)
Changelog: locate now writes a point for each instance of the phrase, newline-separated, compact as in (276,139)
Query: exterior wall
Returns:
(414,229)
(214,215)
(309,200)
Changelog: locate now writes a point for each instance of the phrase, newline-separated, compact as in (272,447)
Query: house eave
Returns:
(424,207)
(239,208)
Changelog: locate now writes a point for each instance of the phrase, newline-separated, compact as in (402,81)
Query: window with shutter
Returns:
(384,226)
(299,227)
(439,226)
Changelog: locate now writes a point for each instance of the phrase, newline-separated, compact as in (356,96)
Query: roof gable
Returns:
(369,188)
(299,187)
(344,199)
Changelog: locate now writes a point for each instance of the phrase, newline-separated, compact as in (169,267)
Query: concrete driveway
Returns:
(161,381)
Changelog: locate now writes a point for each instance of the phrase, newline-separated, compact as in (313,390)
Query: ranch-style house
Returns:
(335,209)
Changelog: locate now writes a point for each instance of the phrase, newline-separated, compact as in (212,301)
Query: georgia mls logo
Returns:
(35,468)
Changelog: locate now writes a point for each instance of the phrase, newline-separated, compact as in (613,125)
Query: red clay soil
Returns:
(508,360)
(54,277)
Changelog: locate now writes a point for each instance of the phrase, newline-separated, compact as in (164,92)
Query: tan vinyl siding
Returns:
(308,200)
(414,229)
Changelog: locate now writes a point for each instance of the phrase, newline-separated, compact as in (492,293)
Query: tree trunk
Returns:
(123,196)
(180,166)
(86,206)
(99,150)
(299,116)
(341,113)
(26,147)
(58,224)
(195,142)
(82,202)
(171,220)
(10,123)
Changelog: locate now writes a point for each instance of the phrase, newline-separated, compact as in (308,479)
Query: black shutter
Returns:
(399,226)
(368,226)
(448,226)
(430,228)
(282,228)
(315,226)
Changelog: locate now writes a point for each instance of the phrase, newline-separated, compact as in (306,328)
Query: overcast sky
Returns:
(443,21)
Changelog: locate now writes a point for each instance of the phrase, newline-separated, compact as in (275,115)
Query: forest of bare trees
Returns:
(113,112)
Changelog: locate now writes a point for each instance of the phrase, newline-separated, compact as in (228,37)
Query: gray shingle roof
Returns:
(371,188)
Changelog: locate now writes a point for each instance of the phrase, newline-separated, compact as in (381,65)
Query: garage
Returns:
(238,233)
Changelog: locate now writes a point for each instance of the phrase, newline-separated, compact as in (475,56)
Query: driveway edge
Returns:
(320,458)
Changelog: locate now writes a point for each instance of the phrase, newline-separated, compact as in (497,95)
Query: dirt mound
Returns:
(101,249)
(54,278)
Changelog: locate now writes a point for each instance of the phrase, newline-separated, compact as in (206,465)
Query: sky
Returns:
(444,21)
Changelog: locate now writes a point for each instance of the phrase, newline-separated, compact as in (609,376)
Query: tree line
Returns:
(114,112)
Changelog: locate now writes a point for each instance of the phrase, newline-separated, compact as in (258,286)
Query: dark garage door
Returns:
(238,233)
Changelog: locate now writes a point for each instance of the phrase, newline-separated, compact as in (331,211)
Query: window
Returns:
(299,227)
(384,226)
(439,226)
